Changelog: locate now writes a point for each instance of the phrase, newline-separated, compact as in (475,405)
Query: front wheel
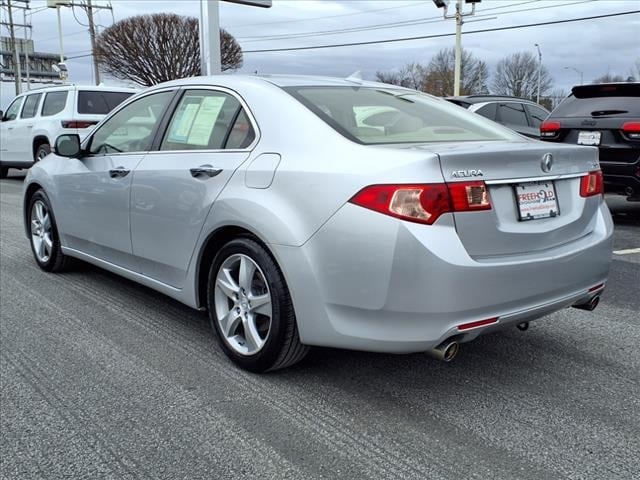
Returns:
(250,308)
(45,242)
(4,171)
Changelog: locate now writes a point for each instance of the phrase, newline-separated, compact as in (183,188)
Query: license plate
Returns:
(589,138)
(536,200)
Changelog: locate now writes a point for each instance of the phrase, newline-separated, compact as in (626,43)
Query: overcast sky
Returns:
(593,47)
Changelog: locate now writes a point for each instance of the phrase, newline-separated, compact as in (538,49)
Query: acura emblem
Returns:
(547,162)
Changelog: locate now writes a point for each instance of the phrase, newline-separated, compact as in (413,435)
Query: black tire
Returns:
(42,151)
(4,171)
(57,261)
(282,347)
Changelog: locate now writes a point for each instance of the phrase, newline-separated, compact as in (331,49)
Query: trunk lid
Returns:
(505,166)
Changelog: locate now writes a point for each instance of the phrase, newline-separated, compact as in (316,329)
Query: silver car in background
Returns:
(269,202)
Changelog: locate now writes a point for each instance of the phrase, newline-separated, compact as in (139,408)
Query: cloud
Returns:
(593,47)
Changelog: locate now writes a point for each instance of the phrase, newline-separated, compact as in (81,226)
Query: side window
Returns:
(242,133)
(131,129)
(512,114)
(537,115)
(202,121)
(54,102)
(12,111)
(30,106)
(488,111)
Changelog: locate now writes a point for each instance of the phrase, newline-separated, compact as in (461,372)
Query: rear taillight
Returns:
(77,123)
(549,129)
(591,184)
(424,203)
(631,130)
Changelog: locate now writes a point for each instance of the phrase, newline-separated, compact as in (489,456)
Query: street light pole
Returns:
(580,72)
(539,71)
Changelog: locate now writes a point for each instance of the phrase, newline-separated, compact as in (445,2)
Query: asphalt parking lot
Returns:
(103,378)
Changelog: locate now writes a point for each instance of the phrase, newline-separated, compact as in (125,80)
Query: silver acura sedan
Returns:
(305,211)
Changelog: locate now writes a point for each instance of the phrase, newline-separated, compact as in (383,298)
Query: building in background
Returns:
(40,68)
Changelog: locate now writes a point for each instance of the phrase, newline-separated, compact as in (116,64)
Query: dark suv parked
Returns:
(519,114)
(606,115)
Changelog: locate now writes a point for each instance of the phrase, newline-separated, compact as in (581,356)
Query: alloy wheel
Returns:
(41,231)
(243,304)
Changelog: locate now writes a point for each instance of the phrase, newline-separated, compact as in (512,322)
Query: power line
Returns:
(332,16)
(404,23)
(423,37)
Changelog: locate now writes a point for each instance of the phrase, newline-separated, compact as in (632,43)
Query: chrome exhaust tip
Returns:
(590,305)
(446,351)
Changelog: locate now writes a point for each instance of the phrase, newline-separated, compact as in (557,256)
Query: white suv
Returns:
(34,120)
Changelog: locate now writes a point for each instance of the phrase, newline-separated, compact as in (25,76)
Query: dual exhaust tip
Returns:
(448,349)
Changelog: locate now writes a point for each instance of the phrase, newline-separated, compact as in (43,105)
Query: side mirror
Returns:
(68,146)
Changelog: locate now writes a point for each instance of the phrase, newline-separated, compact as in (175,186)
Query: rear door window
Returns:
(99,102)
(54,102)
(208,120)
(489,111)
(512,114)
(31,106)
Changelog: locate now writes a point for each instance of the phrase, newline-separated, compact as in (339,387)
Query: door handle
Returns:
(205,171)
(118,172)
(29,126)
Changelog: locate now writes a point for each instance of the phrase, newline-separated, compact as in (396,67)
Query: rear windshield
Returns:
(600,100)
(379,116)
(98,102)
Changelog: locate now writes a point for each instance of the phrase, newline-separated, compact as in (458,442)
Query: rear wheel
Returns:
(42,151)
(250,308)
(45,242)
(3,172)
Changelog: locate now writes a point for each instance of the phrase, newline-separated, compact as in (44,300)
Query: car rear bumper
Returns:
(623,178)
(365,281)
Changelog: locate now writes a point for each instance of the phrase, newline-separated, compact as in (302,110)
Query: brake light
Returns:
(423,203)
(591,184)
(631,130)
(77,123)
(549,129)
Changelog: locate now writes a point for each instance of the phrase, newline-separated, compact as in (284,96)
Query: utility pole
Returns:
(16,57)
(458,67)
(444,4)
(539,71)
(26,46)
(92,34)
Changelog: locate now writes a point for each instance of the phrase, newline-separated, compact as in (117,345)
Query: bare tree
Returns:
(634,71)
(149,49)
(608,78)
(410,76)
(439,75)
(517,75)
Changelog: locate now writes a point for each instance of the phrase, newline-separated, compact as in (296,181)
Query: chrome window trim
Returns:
(535,179)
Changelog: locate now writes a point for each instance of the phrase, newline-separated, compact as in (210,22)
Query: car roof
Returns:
(279,80)
(67,87)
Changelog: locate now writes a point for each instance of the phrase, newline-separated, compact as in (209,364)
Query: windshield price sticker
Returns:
(536,200)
